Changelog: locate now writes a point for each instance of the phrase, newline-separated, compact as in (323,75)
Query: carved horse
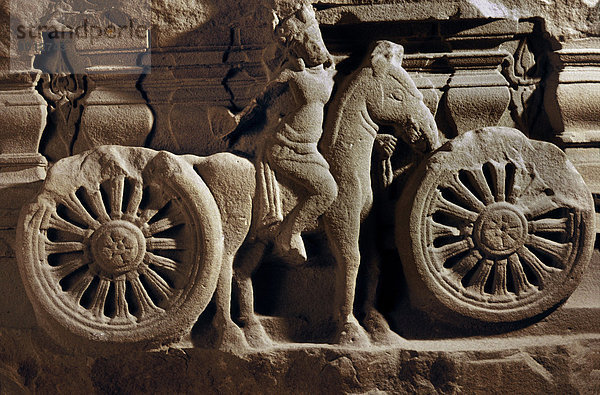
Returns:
(380,92)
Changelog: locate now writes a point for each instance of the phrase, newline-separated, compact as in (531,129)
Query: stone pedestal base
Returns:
(534,365)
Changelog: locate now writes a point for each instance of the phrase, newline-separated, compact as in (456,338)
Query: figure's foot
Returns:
(352,334)
(379,329)
(256,335)
(291,248)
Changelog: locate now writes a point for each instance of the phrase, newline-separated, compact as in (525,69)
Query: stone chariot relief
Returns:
(128,246)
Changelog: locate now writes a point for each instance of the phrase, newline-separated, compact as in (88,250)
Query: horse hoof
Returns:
(232,339)
(352,334)
(257,336)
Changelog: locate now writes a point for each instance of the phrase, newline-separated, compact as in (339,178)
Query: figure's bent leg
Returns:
(247,262)
(320,190)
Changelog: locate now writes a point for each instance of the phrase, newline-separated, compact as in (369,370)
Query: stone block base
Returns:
(533,365)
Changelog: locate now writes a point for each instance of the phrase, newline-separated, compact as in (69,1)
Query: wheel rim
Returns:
(500,228)
(493,245)
(131,257)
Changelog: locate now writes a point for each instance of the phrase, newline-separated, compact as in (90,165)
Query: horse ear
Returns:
(386,54)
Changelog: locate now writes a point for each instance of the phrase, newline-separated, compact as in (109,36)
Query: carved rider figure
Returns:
(293,106)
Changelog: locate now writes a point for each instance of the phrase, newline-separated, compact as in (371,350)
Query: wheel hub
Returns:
(500,230)
(118,247)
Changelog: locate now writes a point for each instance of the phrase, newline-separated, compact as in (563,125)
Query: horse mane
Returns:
(337,108)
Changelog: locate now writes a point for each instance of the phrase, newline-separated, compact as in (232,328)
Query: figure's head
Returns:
(300,34)
(397,101)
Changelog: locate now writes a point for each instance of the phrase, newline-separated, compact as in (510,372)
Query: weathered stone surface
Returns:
(260,252)
(542,365)
(564,20)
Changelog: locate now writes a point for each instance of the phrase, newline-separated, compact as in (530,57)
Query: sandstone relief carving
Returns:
(127,245)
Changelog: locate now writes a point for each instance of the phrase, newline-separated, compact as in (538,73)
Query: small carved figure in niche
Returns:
(292,106)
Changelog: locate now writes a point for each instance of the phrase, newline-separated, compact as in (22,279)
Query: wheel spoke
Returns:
(155,204)
(117,188)
(72,203)
(97,204)
(165,223)
(549,225)
(97,306)
(540,270)
(120,301)
(447,207)
(160,261)
(499,177)
(59,223)
(81,286)
(161,243)
(135,199)
(440,230)
(557,250)
(71,264)
(522,285)
(481,275)
(482,186)
(145,303)
(462,267)
(445,252)
(456,185)
(499,287)
(62,247)
(158,283)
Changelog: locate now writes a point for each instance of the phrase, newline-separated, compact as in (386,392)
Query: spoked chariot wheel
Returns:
(494,227)
(123,245)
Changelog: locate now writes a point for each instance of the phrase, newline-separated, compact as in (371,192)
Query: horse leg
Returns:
(342,224)
(246,263)
(374,322)
(231,336)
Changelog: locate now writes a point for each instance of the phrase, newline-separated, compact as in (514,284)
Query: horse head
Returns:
(395,99)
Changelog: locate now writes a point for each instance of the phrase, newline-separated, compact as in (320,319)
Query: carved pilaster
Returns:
(572,98)
(21,124)
(115,112)
(476,98)
(466,86)
(572,101)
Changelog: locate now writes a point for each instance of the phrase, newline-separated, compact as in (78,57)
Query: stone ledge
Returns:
(547,364)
